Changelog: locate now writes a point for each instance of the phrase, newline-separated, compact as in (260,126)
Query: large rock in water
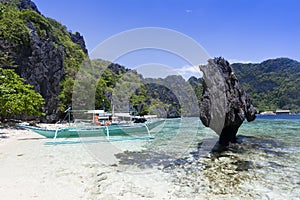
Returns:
(224,103)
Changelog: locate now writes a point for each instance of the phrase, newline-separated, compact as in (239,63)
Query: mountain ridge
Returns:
(272,84)
(48,56)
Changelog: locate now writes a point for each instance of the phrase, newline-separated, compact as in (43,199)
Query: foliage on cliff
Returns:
(41,51)
(17,98)
(128,91)
(48,56)
(272,84)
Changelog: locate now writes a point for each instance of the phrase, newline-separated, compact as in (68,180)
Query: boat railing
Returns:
(148,131)
(56,132)
(107,132)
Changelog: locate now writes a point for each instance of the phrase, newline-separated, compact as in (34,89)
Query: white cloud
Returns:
(155,70)
(239,61)
(188,71)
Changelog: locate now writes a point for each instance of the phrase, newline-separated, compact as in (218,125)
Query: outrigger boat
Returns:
(101,125)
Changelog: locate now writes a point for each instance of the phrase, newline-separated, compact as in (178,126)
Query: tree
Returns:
(16,97)
(140,101)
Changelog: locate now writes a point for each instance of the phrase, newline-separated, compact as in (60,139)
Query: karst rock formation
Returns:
(224,104)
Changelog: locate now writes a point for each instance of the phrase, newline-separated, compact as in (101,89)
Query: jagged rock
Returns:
(39,57)
(165,95)
(78,39)
(44,69)
(224,104)
(22,4)
(28,4)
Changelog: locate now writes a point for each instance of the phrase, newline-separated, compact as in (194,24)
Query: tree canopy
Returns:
(16,97)
(272,84)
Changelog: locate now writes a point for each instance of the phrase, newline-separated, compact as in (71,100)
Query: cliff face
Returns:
(43,68)
(39,49)
(176,96)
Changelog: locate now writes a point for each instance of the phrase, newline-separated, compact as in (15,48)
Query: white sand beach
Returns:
(30,169)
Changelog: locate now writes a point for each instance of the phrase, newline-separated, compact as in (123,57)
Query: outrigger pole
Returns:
(69,115)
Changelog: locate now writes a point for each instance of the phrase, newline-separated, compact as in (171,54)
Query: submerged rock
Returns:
(224,103)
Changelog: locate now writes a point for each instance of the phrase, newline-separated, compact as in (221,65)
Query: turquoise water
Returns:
(264,165)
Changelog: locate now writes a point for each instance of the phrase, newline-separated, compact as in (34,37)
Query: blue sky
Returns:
(238,30)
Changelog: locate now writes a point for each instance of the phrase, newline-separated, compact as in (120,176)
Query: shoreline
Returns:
(120,170)
(31,170)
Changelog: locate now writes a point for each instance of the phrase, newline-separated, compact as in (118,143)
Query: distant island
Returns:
(47,56)
(273,84)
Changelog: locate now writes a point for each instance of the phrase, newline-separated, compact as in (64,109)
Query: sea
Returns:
(264,164)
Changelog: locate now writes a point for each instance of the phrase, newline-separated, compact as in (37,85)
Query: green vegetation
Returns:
(140,101)
(15,43)
(13,28)
(106,75)
(272,84)
(196,84)
(40,23)
(17,98)
(13,34)
(73,59)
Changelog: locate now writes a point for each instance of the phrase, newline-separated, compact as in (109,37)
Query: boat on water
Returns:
(94,131)
(99,125)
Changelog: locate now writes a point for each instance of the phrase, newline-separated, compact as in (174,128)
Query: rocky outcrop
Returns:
(39,54)
(22,4)
(177,95)
(43,68)
(78,39)
(167,96)
(224,104)
(28,4)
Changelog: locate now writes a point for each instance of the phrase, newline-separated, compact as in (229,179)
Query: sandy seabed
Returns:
(30,169)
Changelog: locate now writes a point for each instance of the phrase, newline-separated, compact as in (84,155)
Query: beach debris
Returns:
(224,103)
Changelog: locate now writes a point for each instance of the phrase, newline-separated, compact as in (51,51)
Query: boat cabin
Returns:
(283,112)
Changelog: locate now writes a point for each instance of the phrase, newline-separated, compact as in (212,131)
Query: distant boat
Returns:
(267,113)
(283,112)
(277,112)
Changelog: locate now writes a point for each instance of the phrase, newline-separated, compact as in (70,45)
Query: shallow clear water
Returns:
(264,165)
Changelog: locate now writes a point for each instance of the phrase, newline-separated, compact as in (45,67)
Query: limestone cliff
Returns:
(40,50)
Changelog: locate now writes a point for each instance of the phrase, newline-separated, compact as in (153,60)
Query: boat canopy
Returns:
(96,111)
